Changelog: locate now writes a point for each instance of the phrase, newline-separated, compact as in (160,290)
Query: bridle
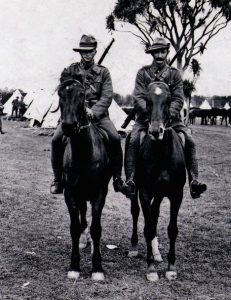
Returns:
(157,126)
(78,127)
(168,94)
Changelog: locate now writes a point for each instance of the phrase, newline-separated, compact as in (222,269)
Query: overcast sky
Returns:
(37,38)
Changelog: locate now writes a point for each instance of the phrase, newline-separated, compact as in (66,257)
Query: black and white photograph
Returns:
(115,149)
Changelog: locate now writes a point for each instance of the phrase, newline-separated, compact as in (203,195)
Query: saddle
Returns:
(103,134)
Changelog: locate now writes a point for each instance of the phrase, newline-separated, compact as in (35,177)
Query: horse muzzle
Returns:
(69,129)
(156,131)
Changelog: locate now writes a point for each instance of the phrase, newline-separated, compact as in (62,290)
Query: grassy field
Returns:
(35,240)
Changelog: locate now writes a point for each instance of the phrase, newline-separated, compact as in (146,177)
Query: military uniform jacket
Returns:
(169,75)
(98,84)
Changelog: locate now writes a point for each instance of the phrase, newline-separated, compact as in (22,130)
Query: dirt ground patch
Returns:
(35,239)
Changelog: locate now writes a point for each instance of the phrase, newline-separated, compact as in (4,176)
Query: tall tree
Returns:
(187,24)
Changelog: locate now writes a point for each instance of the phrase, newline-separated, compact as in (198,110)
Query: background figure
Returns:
(15,104)
(1,113)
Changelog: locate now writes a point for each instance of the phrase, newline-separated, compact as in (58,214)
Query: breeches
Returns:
(115,149)
(57,151)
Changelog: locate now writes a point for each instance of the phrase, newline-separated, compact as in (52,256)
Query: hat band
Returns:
(86,45)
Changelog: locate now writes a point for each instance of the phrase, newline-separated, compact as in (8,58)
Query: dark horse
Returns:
(86,172)
(160,173)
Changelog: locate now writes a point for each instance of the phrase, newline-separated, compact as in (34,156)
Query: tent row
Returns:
(205,105)
(42,104)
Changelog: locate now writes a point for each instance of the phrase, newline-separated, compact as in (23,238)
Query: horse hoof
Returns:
(171,275)
(73,275)
(158,258)
(153,276)
(133,253)
(97,276)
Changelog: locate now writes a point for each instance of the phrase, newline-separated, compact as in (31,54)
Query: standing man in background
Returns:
(15,104)
(1,113)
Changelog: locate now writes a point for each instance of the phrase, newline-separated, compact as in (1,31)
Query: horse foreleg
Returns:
(175,203)
(96,230)
(75,230)
(135,211)
(149,235)
(155,208)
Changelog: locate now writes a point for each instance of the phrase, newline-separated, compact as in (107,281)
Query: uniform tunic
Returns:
(97,80)
(170,76)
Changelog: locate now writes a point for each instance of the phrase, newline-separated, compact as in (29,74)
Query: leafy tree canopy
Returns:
(187,24)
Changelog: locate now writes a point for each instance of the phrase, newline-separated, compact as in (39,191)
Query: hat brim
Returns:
(156,47)
(83,49)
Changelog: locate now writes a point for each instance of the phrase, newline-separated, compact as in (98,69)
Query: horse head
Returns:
(158,96)
(72,106)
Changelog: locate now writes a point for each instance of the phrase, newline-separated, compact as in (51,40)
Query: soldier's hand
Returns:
(90,113)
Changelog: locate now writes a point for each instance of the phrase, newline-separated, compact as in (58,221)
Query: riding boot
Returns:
(196,187)
(57,152)
(57,184)
(130,168)
(118,183)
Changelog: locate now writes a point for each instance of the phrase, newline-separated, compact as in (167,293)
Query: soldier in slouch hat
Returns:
(159,70)
(99,92)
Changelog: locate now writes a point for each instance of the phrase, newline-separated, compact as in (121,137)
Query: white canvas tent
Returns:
(227,106)
(39,107)
(8,105)
(118,116)
(51,119)
(29,98)
(44,104)
(205,105)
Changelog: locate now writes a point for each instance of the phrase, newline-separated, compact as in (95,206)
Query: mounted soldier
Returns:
(159,70)
(98,90)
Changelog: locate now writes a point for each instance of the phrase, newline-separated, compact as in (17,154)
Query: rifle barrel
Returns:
(105,52)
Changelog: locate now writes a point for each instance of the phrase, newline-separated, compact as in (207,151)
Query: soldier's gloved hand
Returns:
(90,113)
